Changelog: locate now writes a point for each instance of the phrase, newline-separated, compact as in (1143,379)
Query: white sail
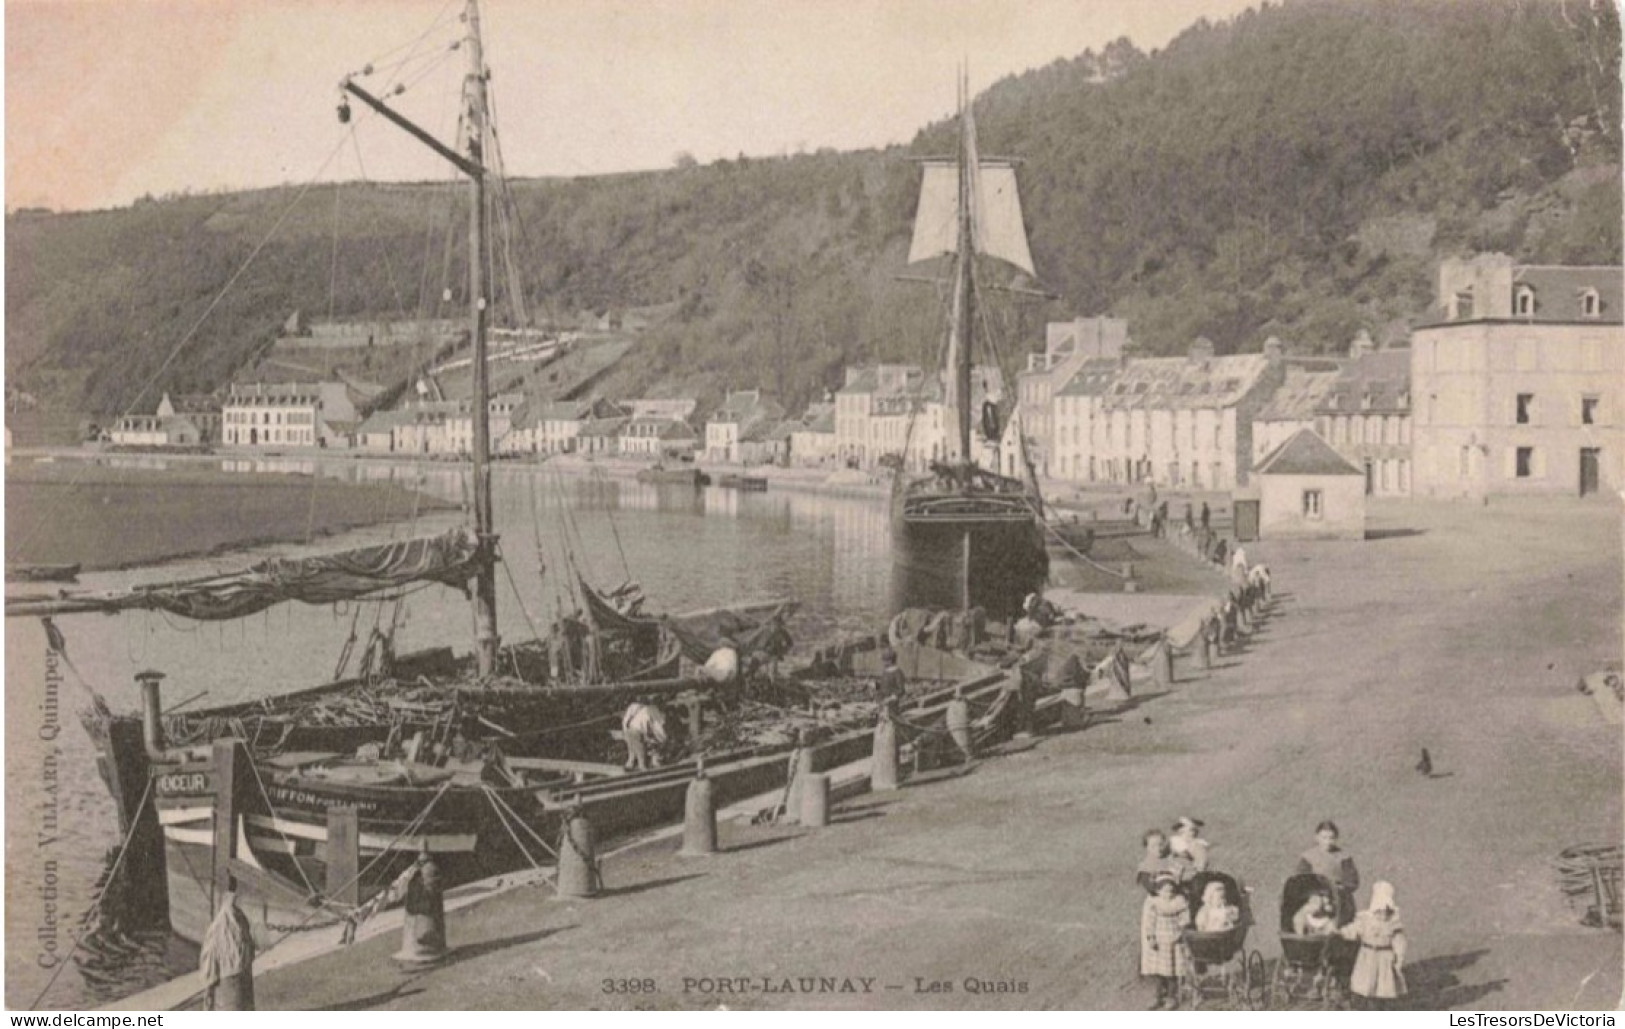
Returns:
(996,224)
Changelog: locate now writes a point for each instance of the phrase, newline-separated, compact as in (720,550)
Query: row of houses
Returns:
(1512,383)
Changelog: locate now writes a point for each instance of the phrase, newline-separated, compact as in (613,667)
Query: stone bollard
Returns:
(804,758)
(815,801)
(699,816)
(1163,664)
(423,931)
(957,719)
(1074,715)
(578,861)
(883,765)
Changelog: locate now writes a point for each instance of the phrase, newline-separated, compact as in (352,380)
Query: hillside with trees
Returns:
(1297,171)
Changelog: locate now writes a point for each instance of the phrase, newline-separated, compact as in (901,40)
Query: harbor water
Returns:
(688,548)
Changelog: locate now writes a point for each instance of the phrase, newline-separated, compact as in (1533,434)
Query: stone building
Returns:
(1516,381)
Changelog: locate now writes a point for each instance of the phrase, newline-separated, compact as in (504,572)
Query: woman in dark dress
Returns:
(1329,861)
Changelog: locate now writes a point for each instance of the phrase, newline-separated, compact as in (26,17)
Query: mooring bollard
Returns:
(815,801)
(578,862)
(423,932)
(957,718)
(883,764)
(804,758)
(699,816)
(1163,665)
(1074,713)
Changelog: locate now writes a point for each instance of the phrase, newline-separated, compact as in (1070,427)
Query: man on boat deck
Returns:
(644,728)
(723,664)
(892,683)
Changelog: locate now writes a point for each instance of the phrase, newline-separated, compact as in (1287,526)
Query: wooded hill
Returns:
(1297,171)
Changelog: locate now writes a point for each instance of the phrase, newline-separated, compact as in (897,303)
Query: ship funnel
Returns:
(152,722)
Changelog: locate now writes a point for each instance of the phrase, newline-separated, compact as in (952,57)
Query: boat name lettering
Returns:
(318,801)
(183,782)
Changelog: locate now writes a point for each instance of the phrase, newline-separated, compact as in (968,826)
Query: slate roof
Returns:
(1092,379)
(383,421)
(1558,290)
(1305,453)
(1299,397)
(1180,382)
(1383,376)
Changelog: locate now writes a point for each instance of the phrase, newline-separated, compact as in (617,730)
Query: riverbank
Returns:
(1459,629)
(103,517)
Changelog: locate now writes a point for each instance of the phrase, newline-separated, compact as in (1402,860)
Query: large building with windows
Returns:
(1516,385)
(294,414)
(1366,416)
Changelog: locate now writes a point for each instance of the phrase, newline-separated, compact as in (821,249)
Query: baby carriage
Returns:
(1313,967)
(1219,965)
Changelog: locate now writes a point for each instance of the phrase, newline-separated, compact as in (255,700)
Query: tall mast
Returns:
(471,164)
(485,588)
(964,296)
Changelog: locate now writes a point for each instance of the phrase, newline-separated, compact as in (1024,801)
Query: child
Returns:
(1316,917)
(1163,921)
(1155,861)
(1379,970)
(1215,915)
(1189,847)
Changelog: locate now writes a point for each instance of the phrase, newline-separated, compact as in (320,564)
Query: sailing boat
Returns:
(313,816)
(966,537)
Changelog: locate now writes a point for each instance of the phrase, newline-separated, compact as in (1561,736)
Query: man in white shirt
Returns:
(644,728)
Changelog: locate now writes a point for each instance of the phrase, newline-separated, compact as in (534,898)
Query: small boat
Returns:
(662,476)
(42,573)
(744,483)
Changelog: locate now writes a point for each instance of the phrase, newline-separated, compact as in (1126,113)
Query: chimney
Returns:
(1361,346)
(1202,349)
(1274,350)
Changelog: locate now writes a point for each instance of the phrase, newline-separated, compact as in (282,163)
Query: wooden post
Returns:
(225,814)
(343,855)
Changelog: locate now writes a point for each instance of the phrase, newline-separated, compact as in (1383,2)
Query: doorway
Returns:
(1588,470)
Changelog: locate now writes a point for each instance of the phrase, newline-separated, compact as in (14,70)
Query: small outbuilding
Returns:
(1307,490)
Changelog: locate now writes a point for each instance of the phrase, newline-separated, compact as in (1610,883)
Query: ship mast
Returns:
(473,165)
(964,284)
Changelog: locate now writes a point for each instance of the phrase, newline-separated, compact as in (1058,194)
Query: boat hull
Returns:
(966,561)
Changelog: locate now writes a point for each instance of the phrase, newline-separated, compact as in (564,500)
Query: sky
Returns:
(111,100)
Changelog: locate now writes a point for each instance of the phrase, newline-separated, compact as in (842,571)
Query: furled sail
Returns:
(449,558)
(995,209)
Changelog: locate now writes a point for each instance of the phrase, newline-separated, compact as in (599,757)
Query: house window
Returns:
(1462,309)
(1523,301)
(1526,403)
(1525,462)
(1588,410)
(1312,504)
(1590,304)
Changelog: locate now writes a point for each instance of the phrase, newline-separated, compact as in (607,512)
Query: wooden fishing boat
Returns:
(311,835)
